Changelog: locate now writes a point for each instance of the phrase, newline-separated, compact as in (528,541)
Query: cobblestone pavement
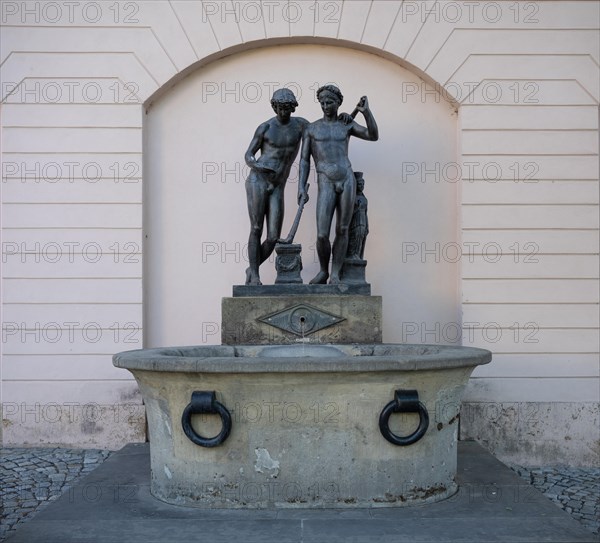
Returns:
(31,478)
(575,490)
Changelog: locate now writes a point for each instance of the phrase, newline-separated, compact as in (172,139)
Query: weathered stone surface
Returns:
(534,433)
(342,289)
(355,319)
(113,505)
(304,423)
(77,424)
(301,319)
(353,271)
(288,263)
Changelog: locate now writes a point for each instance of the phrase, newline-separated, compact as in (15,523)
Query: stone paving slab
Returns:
(31,478)
(575,490)
(113,504)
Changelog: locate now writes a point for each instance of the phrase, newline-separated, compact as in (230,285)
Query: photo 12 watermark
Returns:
(487,12)
(70,332)
(70,91)
(27,413)
(56,171)
(69,12)
(238,171)
(469,251)
(525,171)
(269,11)
(459,333)
(251,92)
(71,252)
(482,92)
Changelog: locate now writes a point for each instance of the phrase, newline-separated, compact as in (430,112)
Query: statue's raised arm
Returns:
(371,132)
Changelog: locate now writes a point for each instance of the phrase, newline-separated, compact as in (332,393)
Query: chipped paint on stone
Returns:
(168,472)
(265,462)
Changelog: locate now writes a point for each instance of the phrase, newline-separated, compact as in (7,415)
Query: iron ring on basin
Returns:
(205,402)
(405,401)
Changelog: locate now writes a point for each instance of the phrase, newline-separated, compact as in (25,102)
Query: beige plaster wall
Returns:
(196,223)
(76,80)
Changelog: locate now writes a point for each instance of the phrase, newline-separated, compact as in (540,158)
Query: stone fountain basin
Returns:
(305,423)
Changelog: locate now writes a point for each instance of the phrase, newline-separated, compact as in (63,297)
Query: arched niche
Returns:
(195,216)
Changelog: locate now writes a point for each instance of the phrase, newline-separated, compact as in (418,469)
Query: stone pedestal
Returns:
(353,271)
(288,263)
(290,319)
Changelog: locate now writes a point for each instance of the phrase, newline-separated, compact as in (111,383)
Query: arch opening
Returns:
(195,216)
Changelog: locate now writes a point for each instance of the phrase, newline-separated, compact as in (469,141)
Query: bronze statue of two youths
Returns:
(326,141)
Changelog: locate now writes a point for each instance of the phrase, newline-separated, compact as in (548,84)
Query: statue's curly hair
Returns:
(284,96)
(333,90)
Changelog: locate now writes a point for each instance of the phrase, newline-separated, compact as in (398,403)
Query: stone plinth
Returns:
(286,319)
(353,271)
(288,263)
(343,289)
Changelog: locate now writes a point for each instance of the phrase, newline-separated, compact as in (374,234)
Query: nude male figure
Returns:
(278,141)
(326,140)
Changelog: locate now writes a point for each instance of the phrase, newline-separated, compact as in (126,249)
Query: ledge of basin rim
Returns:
(297,358)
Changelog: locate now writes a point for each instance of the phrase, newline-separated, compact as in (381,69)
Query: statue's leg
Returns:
(363,242)
(353,244)
(274,212)
(256,196)
(345,208)
(326,201)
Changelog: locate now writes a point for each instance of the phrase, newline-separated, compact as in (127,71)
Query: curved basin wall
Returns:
(305,429)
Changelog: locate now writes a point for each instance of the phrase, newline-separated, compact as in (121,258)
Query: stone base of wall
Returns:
(535,433)
(72,424)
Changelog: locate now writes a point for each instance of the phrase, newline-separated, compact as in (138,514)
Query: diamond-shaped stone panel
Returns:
(301,319)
